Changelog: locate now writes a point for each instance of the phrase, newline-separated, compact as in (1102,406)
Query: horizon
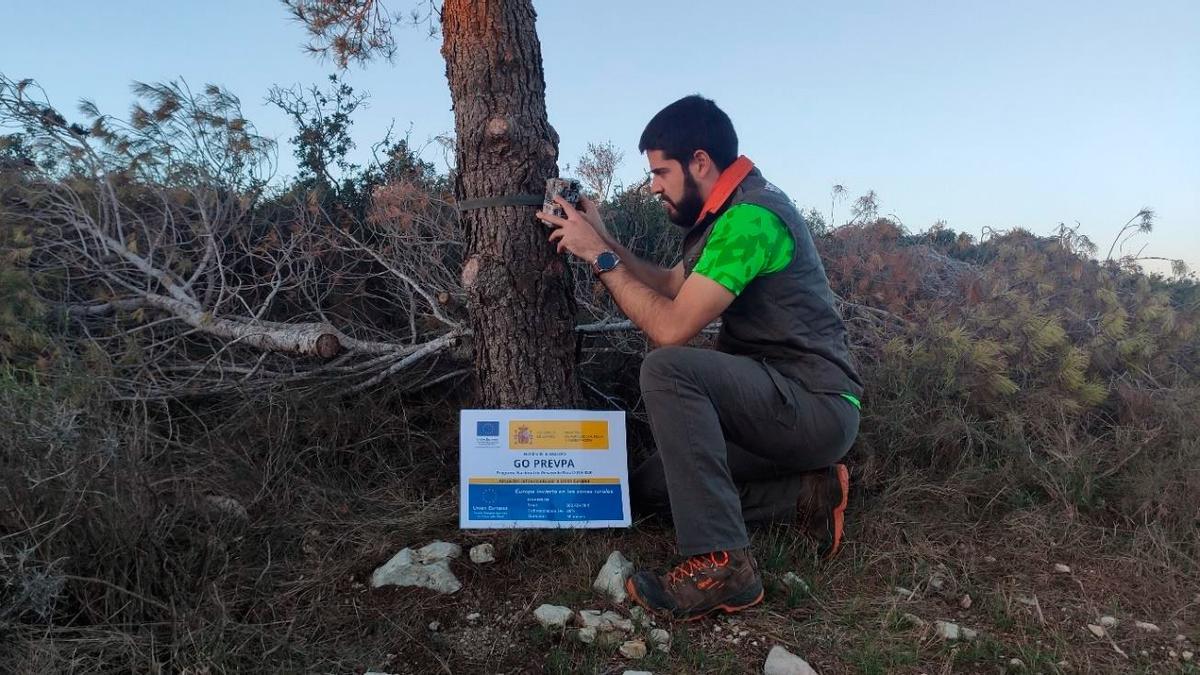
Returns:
(1022,116)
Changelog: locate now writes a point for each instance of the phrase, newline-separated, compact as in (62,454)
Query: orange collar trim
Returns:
(727,182)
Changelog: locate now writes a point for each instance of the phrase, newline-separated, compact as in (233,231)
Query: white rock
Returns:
(473,616)
(610,582)
(937,583)
(640,617)
(633,649)
(438,550)
(553,617)
(912,620)
(405,569)
(782,662)
(1016,664)
(1188,656)
(605,621)
(946,630)
(951,631)
(796,584)
(483,553)
(1146,626)
(966,602)
(904,593)
(435,626)
(1061,568)
(660,639)
(1098,631)
(992,559)
(586,635)
(1109,621)
(1181,638)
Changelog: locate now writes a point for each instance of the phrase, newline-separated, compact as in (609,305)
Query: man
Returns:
(741,429)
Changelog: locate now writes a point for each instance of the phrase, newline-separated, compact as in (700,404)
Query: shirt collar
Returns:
(727,182)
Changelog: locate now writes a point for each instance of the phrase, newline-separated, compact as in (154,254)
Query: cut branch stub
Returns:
(328,346)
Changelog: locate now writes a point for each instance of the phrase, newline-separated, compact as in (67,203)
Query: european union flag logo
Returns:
(487,428)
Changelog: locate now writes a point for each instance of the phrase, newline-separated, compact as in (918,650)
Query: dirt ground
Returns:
(1030,617)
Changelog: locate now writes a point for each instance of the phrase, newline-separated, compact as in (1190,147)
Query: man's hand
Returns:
(591,213)
(575,233)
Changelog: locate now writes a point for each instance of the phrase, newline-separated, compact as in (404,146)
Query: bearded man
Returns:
(744,430)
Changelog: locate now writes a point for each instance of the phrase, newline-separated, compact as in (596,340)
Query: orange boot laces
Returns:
(689,567)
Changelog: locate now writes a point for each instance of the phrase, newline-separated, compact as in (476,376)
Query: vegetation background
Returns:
(225,400)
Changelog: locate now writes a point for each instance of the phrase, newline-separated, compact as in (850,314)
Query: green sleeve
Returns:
(745,242)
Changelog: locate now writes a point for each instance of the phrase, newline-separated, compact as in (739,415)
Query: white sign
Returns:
(542,468)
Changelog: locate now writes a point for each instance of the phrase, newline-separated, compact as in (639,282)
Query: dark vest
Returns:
(786,319)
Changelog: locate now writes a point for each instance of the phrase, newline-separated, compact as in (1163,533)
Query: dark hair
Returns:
(692,123)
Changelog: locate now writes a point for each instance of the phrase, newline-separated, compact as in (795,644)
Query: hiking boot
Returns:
(700,585)
(821,508)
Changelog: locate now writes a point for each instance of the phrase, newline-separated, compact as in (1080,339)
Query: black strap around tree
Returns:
(505,200)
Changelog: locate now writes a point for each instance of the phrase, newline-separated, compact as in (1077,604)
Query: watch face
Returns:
(606,261)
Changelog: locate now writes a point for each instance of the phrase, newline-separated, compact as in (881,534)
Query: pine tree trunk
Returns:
(519,298)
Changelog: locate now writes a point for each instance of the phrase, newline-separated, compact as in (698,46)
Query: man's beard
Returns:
(685,212)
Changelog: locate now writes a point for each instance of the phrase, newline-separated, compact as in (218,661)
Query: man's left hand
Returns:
(573,233)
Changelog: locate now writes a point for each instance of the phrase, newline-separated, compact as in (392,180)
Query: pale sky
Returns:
(980,114)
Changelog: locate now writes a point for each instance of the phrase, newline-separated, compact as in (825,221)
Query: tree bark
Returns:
(519,298)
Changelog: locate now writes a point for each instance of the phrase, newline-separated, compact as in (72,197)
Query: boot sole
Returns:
(631,590)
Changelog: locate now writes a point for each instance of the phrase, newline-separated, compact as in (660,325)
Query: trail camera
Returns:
(560,187)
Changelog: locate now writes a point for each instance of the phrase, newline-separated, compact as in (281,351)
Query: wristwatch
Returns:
(605,262)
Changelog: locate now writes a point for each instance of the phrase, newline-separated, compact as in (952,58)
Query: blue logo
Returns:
(487,429)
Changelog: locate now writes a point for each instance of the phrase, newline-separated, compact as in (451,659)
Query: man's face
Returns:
(676,187)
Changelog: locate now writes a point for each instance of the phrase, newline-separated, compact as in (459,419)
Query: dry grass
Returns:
(115,560)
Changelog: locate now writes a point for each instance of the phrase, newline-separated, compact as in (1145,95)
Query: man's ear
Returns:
(702,165)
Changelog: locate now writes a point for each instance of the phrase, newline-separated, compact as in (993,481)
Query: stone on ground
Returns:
(1108,621)
(428,567)
(1146,626)
(948,630)
(1061,568)
(782,662)
(604,621)
(610,582)
(438,550)
(553,617)
(637,672)
(661,640)
(1098,631)
(483,553)
(633,649)
(586,635)
(640,617)
(910,619)
(796,584)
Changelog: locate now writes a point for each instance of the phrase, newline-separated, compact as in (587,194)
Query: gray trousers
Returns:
(733,436)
